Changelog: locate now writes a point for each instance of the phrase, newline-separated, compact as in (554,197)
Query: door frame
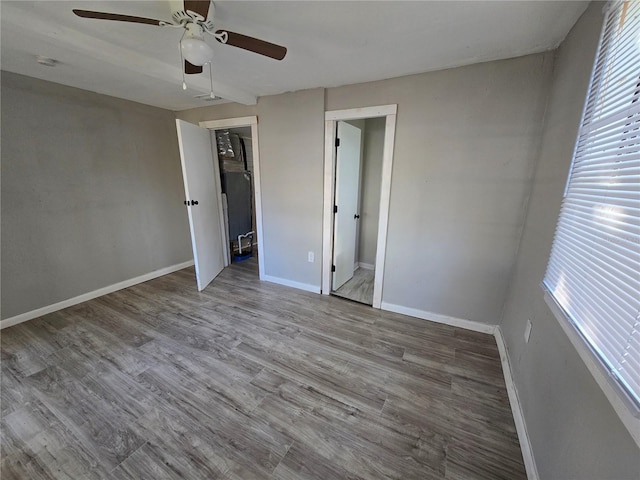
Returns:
(331,118)
(251,121)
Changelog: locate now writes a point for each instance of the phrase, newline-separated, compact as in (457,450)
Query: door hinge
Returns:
(335,209)
(337,142)
(333,268)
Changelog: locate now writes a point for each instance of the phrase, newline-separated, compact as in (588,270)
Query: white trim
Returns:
(385,201)
(290,283)
(623,406)
(439,318)
(222,212)
(327,215)
(255,150)
(366,266)
(187,195)
(23,317)
(252,122)
(229,122)
(516,408)
(225,224)
(363,112)
(388,111)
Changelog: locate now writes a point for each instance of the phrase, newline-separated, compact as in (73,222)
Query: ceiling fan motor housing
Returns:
(194,49)
(187,17)
(197,18)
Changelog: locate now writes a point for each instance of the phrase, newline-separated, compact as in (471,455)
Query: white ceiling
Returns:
(329,44)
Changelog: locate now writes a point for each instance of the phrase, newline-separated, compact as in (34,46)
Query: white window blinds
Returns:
(594,268)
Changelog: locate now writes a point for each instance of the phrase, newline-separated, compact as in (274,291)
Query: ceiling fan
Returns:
(195,22)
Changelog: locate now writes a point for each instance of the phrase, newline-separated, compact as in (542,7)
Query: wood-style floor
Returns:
(249,380)
(359,288)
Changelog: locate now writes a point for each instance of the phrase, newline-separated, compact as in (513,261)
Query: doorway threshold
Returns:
(359,288)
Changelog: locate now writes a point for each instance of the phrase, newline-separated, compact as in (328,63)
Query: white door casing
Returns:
(199,176)
(346,199)
(222,201)
(331,118)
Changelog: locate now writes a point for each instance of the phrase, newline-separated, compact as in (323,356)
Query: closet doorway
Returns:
(235,144)
(358,164)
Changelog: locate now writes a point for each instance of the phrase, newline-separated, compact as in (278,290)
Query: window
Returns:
(594,269)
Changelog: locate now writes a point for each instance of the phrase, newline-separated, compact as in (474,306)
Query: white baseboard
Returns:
(290,283)
(516,408)
(436,317)
(366,266)
(23,317)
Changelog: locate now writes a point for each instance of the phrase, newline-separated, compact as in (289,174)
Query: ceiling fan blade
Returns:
(201,7)
(115,16)
(254,45)
(190,68)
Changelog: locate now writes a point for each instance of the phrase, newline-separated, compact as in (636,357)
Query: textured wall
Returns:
(291,142)
(574,431)
(466,144)
(91,193)
(370,193)
(291,132)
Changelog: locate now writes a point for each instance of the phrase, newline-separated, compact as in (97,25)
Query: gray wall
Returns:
(291,136)
(370,191)
(291,142)
(91,193)
(466,145)
(360,124)
(574,431)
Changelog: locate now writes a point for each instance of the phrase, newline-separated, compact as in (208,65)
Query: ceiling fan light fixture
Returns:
(196,51)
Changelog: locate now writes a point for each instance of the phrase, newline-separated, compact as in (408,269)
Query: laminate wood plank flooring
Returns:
(249,380)
(359,288)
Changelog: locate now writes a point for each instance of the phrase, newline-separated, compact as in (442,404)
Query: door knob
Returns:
(194,202)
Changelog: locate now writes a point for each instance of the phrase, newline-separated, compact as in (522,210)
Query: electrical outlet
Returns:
(527,331)
(310,257)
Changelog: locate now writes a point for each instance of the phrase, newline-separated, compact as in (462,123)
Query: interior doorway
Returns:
(235,160)
(356,207)
(236,154)
(358,164)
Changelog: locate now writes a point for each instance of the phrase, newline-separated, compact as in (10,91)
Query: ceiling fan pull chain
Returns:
(211,82)
(162,23)
(184,79)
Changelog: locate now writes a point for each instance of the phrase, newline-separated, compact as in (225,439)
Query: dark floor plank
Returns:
(101,428)
(386,440)
(157,461)
(339,445)
(53,453)
(324,374)
(303,462)
(249,380)
(14,392)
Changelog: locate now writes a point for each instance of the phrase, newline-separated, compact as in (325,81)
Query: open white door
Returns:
(202,196)
(346,200)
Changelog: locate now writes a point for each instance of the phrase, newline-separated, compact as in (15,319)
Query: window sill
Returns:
(625,409)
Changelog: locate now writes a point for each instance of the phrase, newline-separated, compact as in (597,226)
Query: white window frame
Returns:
(627,410)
